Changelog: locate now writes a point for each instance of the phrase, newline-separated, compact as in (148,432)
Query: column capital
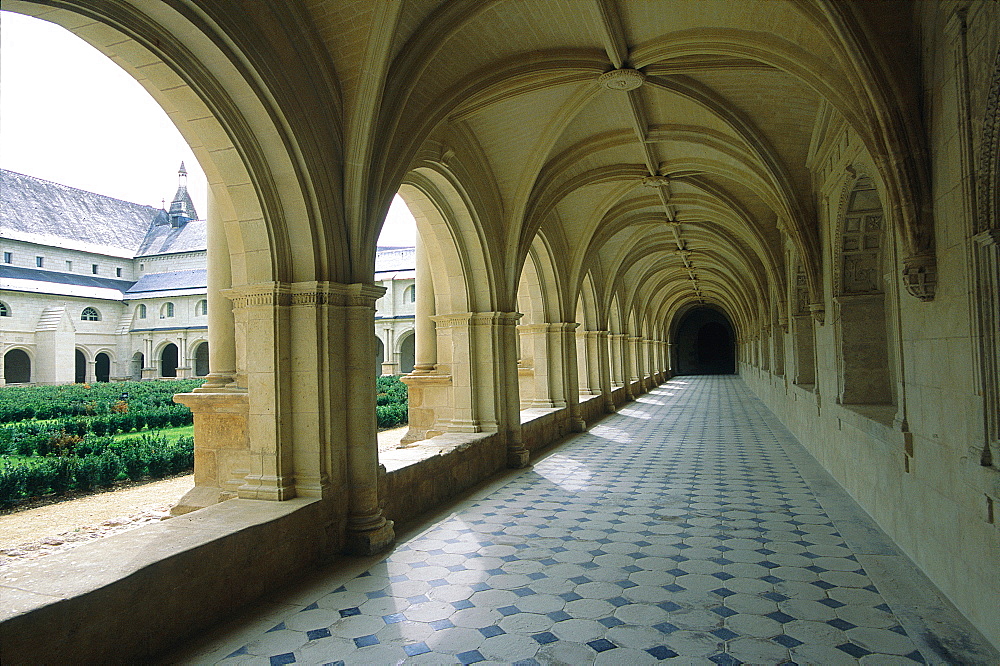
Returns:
(309,293)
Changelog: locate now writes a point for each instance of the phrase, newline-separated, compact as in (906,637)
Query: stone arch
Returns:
(201,358)
(860,249)
(379,354)
(80,370)
(406,350)
(462,289)
(986,266)
(136,364)
(168,360)
(587,354)
(17,366)
(540,366)
(104,361)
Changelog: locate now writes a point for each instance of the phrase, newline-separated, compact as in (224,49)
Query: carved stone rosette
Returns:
(920,276)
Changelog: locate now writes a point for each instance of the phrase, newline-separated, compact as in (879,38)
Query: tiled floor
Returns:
(690,526)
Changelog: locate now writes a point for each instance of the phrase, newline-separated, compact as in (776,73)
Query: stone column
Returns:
(584,362)
(367,529)
(571,380)
(615,344)
(635,353)
(425,344)
(183,362)
(505,331)
(221,323)
(603,353)
(150,370)
(261,312)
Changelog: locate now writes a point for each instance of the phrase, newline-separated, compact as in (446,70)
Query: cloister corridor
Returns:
(690,525)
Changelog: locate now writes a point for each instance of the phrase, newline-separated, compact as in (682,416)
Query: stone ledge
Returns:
(132,595)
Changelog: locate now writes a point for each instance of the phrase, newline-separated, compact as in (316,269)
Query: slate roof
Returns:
(47,213)
(78,279)
(196,278)
(165,239)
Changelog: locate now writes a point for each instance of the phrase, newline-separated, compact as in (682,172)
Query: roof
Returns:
(47,213)
(152,284)
(167,239)
(16,278)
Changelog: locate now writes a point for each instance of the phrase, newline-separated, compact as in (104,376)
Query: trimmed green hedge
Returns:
(20,403)
(390,402)
(100,463)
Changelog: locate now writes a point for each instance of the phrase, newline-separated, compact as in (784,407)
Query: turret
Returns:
(182,208)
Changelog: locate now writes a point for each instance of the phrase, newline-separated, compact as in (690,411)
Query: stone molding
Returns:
(277,294)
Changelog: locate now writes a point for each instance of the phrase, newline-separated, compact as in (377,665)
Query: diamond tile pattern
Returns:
(678,527)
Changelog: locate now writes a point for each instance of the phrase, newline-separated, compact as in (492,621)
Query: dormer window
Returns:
(93,269)
(39,261)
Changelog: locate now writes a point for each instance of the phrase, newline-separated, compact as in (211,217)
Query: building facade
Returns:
(99,289)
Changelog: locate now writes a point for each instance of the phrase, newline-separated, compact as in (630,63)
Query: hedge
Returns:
(104,463)
(391,402)
(21,403)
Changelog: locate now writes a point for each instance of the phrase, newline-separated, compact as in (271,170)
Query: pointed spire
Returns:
(182,208)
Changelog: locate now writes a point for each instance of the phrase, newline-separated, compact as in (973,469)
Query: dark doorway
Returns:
(16,367)
(406,355)
(201,360)
(168,361)
(81,368)
(138,362)
(705,344)
(102,367)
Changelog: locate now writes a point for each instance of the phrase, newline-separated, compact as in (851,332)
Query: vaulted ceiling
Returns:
(663,145)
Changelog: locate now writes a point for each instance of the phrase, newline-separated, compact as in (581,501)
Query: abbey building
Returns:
(100,289)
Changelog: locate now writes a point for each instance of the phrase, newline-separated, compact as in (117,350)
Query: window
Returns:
(69,265)
(8,257)
(39,261)
(141,310)
(90,314)
(202,307)
(118,272)
(142,267)
(4,310)
(167,311)
(410,294)
(93,269)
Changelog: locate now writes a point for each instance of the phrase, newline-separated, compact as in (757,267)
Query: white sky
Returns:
(68,114)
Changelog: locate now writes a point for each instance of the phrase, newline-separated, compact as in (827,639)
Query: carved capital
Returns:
(920,276)
(818,312)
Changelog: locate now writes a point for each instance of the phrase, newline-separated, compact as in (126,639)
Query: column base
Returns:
(578,425)
(370,542)
(518,458)
(198,498)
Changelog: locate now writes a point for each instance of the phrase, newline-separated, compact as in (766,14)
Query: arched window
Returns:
(167,311)
(141,310)
(410,294)
(4,309)
(202,307)
(90,314)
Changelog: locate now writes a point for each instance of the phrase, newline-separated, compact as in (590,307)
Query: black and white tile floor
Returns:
(688,527)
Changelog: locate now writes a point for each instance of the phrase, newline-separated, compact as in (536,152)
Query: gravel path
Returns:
(47,529)
(56,527)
